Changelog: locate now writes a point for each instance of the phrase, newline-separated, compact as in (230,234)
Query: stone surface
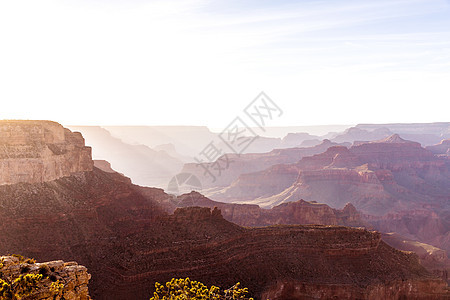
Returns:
(75,278)
(40,151)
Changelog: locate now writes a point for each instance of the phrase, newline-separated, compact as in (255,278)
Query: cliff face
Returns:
(40,151)
(72,276)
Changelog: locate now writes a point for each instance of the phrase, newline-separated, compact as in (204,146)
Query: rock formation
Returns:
(298,212)
(73,277)
(442,148)
(393,180)
(234,165)
(40,151)
(377,177)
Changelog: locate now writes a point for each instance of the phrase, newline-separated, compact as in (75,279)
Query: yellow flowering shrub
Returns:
(186,289)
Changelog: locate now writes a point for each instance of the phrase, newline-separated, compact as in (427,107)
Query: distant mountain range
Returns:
(153,155)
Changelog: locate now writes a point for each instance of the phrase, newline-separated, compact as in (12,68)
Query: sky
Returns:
(198,62)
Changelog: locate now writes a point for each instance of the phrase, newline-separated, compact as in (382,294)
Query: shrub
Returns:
(25,285)
(186,289)
(22,286)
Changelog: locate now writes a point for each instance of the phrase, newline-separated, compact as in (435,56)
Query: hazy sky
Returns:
(200,62)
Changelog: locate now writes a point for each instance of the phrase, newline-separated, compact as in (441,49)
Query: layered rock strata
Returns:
(40,151)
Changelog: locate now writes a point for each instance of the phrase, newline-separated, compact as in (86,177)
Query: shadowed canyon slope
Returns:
(123,234)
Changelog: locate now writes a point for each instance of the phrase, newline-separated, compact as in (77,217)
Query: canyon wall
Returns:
(40,151)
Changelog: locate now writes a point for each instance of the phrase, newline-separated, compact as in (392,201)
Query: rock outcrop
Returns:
(73,278)
(40,151)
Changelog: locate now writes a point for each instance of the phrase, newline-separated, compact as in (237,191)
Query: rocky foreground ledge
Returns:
(72,278)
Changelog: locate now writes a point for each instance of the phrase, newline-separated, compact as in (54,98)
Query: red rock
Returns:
(379,178)
(40,151)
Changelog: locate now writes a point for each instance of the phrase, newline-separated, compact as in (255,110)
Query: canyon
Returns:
(396,184)
(129,236)
(377,177)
